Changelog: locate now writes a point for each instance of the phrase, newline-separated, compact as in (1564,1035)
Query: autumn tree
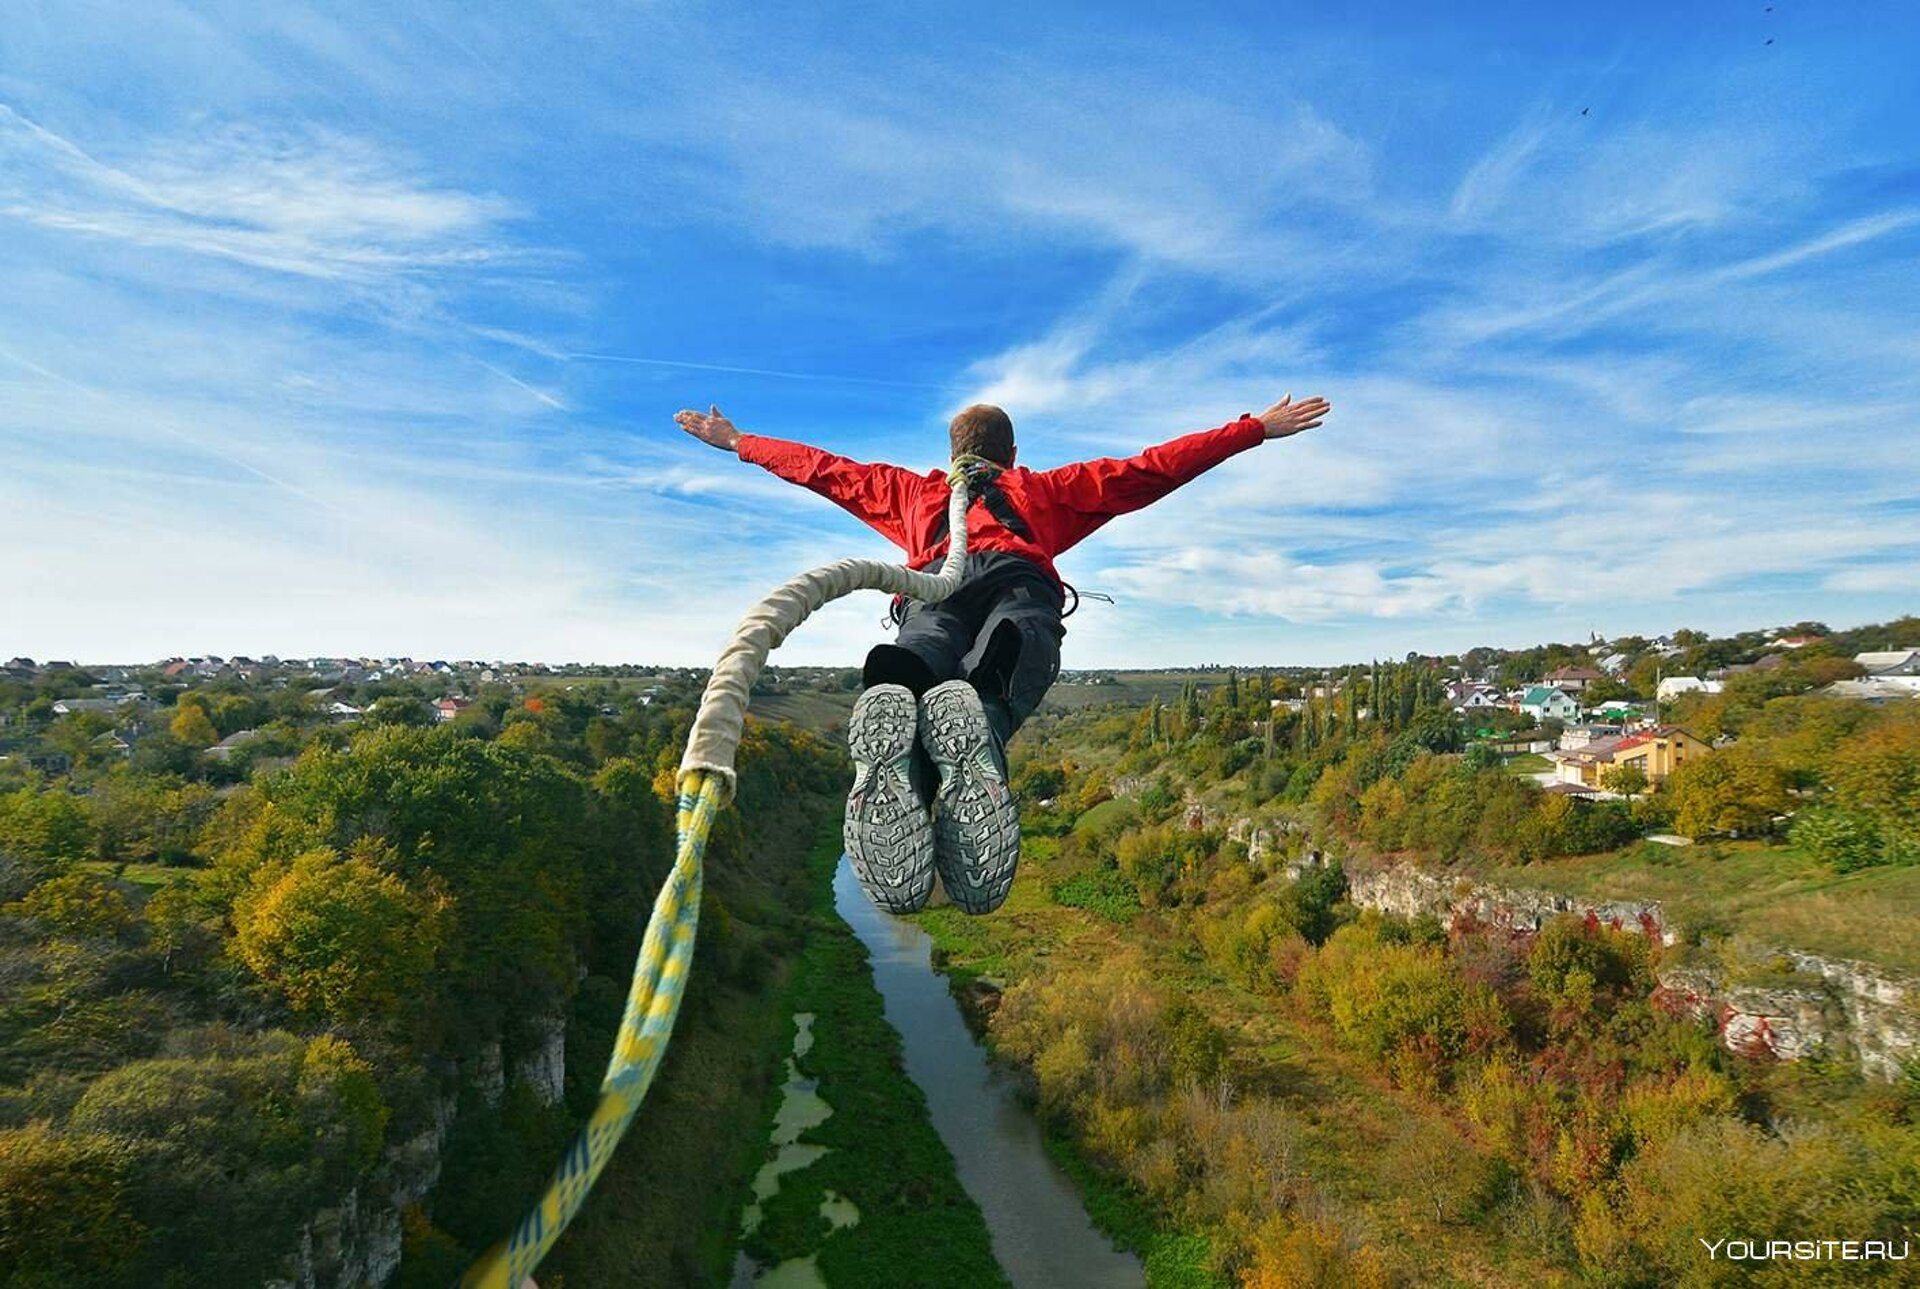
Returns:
(77,905)
(1734,790)
(340,937)
(1628,779)
(192,726)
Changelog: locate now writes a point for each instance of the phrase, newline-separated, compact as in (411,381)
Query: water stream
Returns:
(801,1107)
(1041,1233)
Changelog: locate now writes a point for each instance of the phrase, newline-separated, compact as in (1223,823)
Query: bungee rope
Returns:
(705,785)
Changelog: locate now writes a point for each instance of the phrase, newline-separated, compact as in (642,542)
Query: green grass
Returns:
(1770,895)
(1109,816)
(1526,763)
(917,1225)
(147,877)
(1173,1260)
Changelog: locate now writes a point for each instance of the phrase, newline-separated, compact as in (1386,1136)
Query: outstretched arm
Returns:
(1111,486)
(877,495)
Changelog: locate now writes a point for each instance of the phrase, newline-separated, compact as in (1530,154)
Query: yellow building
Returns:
(1660,751)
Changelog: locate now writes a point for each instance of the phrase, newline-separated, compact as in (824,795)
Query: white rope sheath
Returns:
(723,707)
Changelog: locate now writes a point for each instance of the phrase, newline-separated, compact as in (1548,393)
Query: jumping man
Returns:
(929,734)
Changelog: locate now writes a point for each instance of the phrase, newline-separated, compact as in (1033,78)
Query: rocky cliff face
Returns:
(1805,1004)
(1790,1006)
(1409,892)
(358,1241)
(543,1068)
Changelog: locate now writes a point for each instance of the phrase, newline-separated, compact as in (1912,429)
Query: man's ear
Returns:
(1012,453)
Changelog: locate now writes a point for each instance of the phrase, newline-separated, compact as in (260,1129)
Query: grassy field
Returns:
(1768,895)
(1526,763)
(819,711)
(147,877)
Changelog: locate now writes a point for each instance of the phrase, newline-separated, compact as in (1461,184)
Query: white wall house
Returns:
(1545,703)
(1672,687)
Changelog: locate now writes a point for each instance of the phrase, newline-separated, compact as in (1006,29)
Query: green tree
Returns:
(44,826)
(65,1216)
(1628,779)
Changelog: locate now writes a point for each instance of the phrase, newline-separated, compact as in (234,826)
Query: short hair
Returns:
(982,430)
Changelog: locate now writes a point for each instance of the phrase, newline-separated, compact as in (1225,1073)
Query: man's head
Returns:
(982,430)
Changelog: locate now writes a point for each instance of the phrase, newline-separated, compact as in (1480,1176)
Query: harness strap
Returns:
(999,505)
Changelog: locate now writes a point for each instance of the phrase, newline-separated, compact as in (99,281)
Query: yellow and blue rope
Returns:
(659,980)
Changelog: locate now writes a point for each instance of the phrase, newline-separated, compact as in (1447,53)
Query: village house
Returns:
(1659,751)
(1894,666)
(1875,691)
(1671,687)
(1545,703)
(1584,765)
(1472,696)
(1575,737)
(446,709)
(232,743)
(1573,679)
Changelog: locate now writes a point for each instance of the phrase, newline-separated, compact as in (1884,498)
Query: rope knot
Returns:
(969,471)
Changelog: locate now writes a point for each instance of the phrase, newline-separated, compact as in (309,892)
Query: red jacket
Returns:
(1060,507)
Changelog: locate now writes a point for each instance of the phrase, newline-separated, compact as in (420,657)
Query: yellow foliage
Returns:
(193,727)
(1312,1255)
(340,937)
(1655,1114)
(78,905)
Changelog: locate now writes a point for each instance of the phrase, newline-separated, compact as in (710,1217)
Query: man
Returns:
(929,733)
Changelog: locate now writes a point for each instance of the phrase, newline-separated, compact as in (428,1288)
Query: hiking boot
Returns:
(888,836)
(976,825)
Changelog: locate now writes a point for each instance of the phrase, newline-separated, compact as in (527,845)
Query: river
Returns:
(1041,1233)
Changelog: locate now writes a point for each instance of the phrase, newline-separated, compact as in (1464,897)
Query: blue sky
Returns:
(331,330)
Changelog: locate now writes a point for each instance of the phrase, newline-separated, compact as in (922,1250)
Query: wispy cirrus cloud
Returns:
(302,202)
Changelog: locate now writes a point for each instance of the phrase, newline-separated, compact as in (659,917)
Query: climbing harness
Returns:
(705,785)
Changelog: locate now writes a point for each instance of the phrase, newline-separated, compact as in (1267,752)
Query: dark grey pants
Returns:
(1000,631)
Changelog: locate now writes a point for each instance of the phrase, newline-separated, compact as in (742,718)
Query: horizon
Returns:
(357,328)
(774,664)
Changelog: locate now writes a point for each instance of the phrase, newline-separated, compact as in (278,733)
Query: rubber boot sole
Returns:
(888,836)
(976,824)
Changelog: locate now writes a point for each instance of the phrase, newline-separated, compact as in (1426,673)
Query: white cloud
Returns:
(307,203)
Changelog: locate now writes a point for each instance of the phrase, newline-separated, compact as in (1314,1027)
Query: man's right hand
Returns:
(1288,417)
(711,428)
